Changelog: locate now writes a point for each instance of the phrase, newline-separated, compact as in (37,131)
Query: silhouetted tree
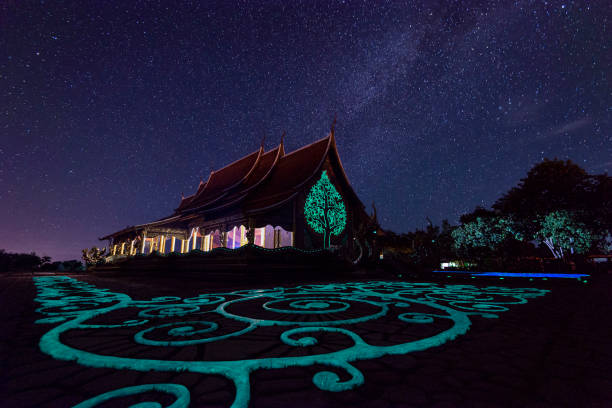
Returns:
(479,212)
(21,262)
(557,185)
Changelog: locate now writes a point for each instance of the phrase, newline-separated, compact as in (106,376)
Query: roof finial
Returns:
(182,196)
(282,143)
(333,125)
(263,140)
(374,215)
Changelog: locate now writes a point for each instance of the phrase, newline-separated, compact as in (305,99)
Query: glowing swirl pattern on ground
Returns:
(305,312)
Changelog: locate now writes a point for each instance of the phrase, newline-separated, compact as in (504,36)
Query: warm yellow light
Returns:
(207,242)
(243,237)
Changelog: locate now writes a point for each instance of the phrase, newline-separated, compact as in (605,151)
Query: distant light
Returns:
(445,265)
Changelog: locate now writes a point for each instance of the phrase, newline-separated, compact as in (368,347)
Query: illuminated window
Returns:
(236,237)
(178,245)
(260,235)
(233,238)
(155,244)
(189,244)
(167,244)
(148,243)
(269,237)
(243,236)
(199,241)
(283,238)
(207,242)
(216,240)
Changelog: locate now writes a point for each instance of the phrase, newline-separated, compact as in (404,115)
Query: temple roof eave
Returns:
(271,188)
(215,187)
(141,227)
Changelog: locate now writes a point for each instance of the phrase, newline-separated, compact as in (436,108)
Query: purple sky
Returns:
(110,109)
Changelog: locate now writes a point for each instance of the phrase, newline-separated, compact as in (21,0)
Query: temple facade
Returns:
(270,199)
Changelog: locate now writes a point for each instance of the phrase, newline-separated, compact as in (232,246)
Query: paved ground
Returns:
(553,351)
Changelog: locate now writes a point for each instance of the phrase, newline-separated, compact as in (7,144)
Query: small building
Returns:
(268,199)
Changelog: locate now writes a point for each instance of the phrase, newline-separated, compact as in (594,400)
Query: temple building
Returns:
(270,199)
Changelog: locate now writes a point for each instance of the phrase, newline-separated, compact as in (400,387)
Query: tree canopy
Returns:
(561,233)
(557,203)
(486,232)
(557,185)
(21,262)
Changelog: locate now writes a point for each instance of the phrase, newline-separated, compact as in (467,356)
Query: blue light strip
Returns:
(519,274)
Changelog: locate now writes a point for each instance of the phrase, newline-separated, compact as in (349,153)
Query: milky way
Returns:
(110,110)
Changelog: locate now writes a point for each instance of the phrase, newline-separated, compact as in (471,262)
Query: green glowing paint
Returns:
(324,209)
(179,391)
(188,322)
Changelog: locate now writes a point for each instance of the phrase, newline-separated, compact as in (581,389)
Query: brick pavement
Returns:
(553,351)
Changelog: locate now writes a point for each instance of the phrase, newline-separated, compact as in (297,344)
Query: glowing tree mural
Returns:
(324,209)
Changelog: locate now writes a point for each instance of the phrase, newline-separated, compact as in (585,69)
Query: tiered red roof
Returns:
(259,181)
(221,181)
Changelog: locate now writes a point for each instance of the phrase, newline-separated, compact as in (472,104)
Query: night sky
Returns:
(110,110)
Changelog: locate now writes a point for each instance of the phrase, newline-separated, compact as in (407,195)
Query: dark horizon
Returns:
(112,110)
